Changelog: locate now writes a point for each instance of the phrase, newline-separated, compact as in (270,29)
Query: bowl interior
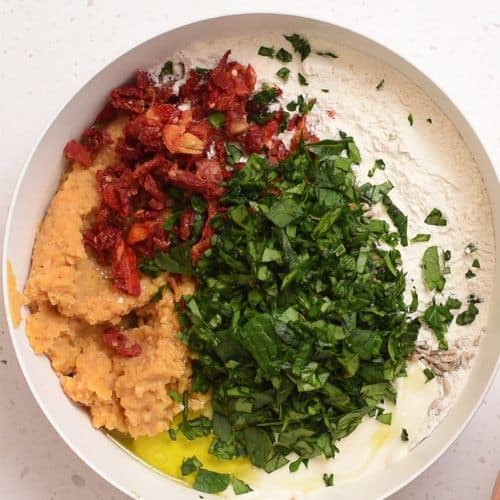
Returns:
(39,181)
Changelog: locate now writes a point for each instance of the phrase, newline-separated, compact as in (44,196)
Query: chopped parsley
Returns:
(328,54)
(283,55)
(380,84)
(325,90)
(239,487)
(211,482)
(167,69)
(378,165)
(404,435)
(233,154)
(200,71)
(432,272)
(420,237)
(190,465)
(410,120)
(302,79)
(476,264)
(301,105)
(470,248)
(283,73)
(447,255)
(266,52)
(470,274)
(468,316)
(216,119)
(385,418)
(429,375)
(435,218)
(328,479)
(429,120)
(299,44)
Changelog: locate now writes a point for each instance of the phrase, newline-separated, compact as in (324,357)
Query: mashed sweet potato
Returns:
(73,300)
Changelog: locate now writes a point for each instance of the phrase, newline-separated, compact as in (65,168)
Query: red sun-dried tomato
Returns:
(78,152)
(205,242)
(94,138)
(186,222)
(124,268)
(121,344)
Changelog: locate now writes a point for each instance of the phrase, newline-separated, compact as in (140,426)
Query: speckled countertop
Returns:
(47,49)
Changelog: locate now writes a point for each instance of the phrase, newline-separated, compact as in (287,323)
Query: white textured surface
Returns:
(47,49)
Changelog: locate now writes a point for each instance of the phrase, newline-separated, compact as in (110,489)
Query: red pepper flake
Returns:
(121,344)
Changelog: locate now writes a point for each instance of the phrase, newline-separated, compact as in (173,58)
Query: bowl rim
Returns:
(81,89)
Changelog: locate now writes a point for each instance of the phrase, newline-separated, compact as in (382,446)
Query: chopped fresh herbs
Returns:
(325,90)
(302,79)
(175,396)
(468,316)
(167,69)
(328,479)
(410,120)
(404,435)
(177,260)
(190,465)
(283,73)
(399,219)
(328,54)
(378,165)
(470,274)
(158,295)
(283,55)
(438,317)
(419,238)
(385,418)
(301,105)
(200,71)
(298,322)
(435,218)
(476,264)
(266,51)
(432,272)
(216,119)
(447,255)
(239,487)
(429,374)
(211,482)
(380,84)
(233,154)
(470,248)
(299,44)
(414,301)
(259,104)
(429,120)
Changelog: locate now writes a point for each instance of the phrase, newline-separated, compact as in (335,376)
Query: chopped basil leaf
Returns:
(410,120)
(197,427)
(470,274)
(302,79)
(299,44)
(328,54)
(385,418)
(470,248)
(283,73)
(429,375)
(429,120)
(438,317)
(301,105)
(283,55)
(435,218)
(233,154)
(266,51)
(476,264)
(380,84)
(325,91)
(399,219)
(404,435)
(453,303)
(328,479)
(177,260)
(167,69)
(431,266)
(190,465)
(420,237)
(378,165)
(239,486)
(414,301)
(468,316)
(294,466)
(211,482)
(216,119)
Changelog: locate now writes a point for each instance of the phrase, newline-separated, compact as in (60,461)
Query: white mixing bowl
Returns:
(39,180)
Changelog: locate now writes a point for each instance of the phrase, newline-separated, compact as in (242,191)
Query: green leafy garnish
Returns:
(414,301)
(470,248)
(233,154)
(302,79)
(432,273)
(190,465)
(299,44)
(470,274)
(404,435)
(429,374)
(177,260)
(216,119)
(211,482)
(301,105)
(167,69)
(429,120)
(435,218)
(385,418)
(283,55)
(266,51)
(476,264)
(399,219)
(420,237)
(468,316)
(328,479)
(283,73)
(378,165)
(175,396)
(200,71)
(325,90)
(410,120)
(239,486)
(438,317)
(328,54)
(380,84)
(158,295)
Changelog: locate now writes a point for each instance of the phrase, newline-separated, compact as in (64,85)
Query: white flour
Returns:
(429,166)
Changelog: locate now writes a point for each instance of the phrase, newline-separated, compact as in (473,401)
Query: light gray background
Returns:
(48,48)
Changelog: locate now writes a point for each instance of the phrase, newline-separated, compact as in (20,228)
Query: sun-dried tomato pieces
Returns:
(94,138)
(78,152)
(186,222)
(124,267)
(207,233)
(121,344)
